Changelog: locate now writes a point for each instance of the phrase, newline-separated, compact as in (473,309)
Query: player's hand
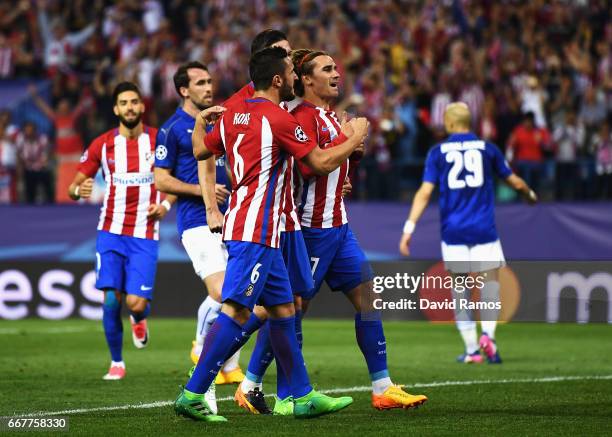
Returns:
(360,126)
(214,218)
(404,244)
(221,193)
(86,188)
(531,197)
(345,127)
(210,115)
(346,187)
(359,151)
(156,211)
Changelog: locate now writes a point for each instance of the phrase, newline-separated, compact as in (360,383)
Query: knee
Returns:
(112,300)
(236,311)
(282,311)
(136,304)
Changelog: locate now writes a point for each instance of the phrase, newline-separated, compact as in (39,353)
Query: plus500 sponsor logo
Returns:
(54,298)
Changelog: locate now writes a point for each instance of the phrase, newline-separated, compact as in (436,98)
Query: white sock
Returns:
(232,362)
(488,317)
(465,324)
(467,329)
(207,314)
(247,385)
(118,364)
(380,385)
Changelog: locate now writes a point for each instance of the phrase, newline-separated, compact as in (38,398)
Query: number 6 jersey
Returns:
(463,166)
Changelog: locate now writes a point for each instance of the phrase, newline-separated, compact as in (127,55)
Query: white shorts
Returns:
(459,258)
(206,251)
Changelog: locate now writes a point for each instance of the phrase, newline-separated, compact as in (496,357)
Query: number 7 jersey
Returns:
(463,166)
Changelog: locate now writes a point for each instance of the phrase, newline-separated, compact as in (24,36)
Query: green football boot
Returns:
(316,404)
(194,406)
(283,407)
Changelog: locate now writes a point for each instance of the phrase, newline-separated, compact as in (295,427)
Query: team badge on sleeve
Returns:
(161,152)
(300,135)
(83,157)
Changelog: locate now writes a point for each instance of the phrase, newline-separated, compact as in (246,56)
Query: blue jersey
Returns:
(174,151)
(463,167)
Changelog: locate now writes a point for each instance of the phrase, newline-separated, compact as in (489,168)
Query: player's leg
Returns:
(351,273)
(457,262)
(139,284)
(278,300)
(208,255)
(113,331)
(295,257)
(488,258)
(110,278)
(247,270)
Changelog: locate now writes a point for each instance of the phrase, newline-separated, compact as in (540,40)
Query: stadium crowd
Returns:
(537,76)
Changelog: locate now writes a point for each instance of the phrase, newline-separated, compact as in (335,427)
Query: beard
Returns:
(286,93)
(130,124)
(201,105)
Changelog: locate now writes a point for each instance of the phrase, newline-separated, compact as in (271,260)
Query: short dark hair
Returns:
(265,39)
(265,64)
(123,87)
(181,77)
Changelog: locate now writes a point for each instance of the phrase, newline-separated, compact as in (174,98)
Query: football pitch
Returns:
(555,380)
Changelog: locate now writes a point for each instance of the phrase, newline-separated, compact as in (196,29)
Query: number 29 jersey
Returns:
(463,166)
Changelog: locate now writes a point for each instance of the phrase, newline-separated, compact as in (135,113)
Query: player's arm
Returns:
(520,186)
(324,161)
(167,183)
(81,187)
(82,184)
(159,210)
(419,203)
(503,170)
(207,175)
(207,116)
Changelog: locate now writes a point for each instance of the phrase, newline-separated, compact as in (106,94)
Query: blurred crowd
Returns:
(537,76)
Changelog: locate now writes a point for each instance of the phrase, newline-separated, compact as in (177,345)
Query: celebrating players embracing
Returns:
(256,135)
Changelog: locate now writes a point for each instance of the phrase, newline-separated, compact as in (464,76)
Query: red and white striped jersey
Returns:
(127,165)
(320,203)
(257,136)
(289,221)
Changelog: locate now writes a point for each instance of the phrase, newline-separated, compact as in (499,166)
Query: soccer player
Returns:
(176,172)
(128,230)
(464,167)
(334,252)
(256,134)
(249,393)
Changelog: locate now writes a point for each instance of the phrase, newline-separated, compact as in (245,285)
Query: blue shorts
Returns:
(336,258)
(297,262)
(126,264)
(255,274)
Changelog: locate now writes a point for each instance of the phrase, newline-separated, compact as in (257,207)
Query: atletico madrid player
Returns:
(257,135)
(128,229)
(333,249)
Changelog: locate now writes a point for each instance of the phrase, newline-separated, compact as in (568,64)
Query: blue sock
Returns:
(288,353)
(113,327)
(262,355)
(298,328)
(371,341)
(251,325)
(143,315)
(283,391)
(219,341)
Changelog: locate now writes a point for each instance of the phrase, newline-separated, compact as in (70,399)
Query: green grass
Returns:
(44,370)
